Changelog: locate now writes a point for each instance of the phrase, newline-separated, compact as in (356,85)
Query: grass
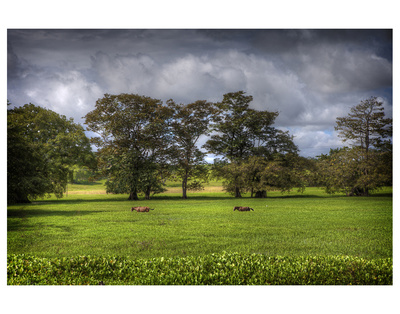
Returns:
(308,224)
(173,187)
(89,237)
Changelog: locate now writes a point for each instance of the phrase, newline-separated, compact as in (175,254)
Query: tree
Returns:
(346,170)
(42,148)
(258,175)
(24,178)
(134,142)
(242,132)
(366,127)
(232,175)
(283,173)
(189,124)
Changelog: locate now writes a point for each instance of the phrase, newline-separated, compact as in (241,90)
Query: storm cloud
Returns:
(309,76)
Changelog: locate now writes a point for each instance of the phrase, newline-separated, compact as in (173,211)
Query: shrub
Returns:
(213,269)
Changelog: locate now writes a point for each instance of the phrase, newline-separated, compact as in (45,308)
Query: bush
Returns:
(213,269)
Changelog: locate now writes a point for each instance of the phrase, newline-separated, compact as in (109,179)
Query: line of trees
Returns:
(142,142)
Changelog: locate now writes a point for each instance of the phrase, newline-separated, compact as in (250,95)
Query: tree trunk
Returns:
(21,198)
(358,192)
(261,194)
(237,192)
(147,193)
(133,196)
(184,188)
(366,169)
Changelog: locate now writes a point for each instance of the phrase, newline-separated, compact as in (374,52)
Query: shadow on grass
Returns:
(381,195)
(199,197)
(88,199)
(24,213)
(331,196)
(90,183)
(24,224)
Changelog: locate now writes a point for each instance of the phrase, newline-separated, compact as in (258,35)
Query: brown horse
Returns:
(242,209)
(141,209)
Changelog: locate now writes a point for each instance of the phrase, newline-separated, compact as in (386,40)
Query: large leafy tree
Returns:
(258,175)
(42,148)
(240,133)
(282,173)
(134,142)
(347,170)
(190,122)
(368,131)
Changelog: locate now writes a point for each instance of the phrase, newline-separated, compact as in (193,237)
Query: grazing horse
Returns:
(141,209)
(242,209)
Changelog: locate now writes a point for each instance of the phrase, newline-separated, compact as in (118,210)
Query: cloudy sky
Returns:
(309,76)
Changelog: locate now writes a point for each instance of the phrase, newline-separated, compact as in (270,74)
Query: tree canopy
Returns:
(134,142)
(367,165)
(190,122)
(241,133)
(366,126)
(42,147)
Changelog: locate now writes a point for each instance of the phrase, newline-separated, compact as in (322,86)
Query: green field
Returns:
(88,223)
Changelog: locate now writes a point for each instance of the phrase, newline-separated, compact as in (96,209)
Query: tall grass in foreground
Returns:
(214,269)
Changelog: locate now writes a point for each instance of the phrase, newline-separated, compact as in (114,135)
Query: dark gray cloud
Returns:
(309,76)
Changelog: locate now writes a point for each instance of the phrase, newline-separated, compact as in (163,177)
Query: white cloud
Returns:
(315,142)
(187,79)
(68,92)
(122,73)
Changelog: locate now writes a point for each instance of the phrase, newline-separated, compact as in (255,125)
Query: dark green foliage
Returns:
(348,170)
(365,125)
(83,175)
(24,178)
(368,165)
(248,145)
(189,124)
(212,269)
(134,142)
(242,132)
(258,175)
(42,148)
